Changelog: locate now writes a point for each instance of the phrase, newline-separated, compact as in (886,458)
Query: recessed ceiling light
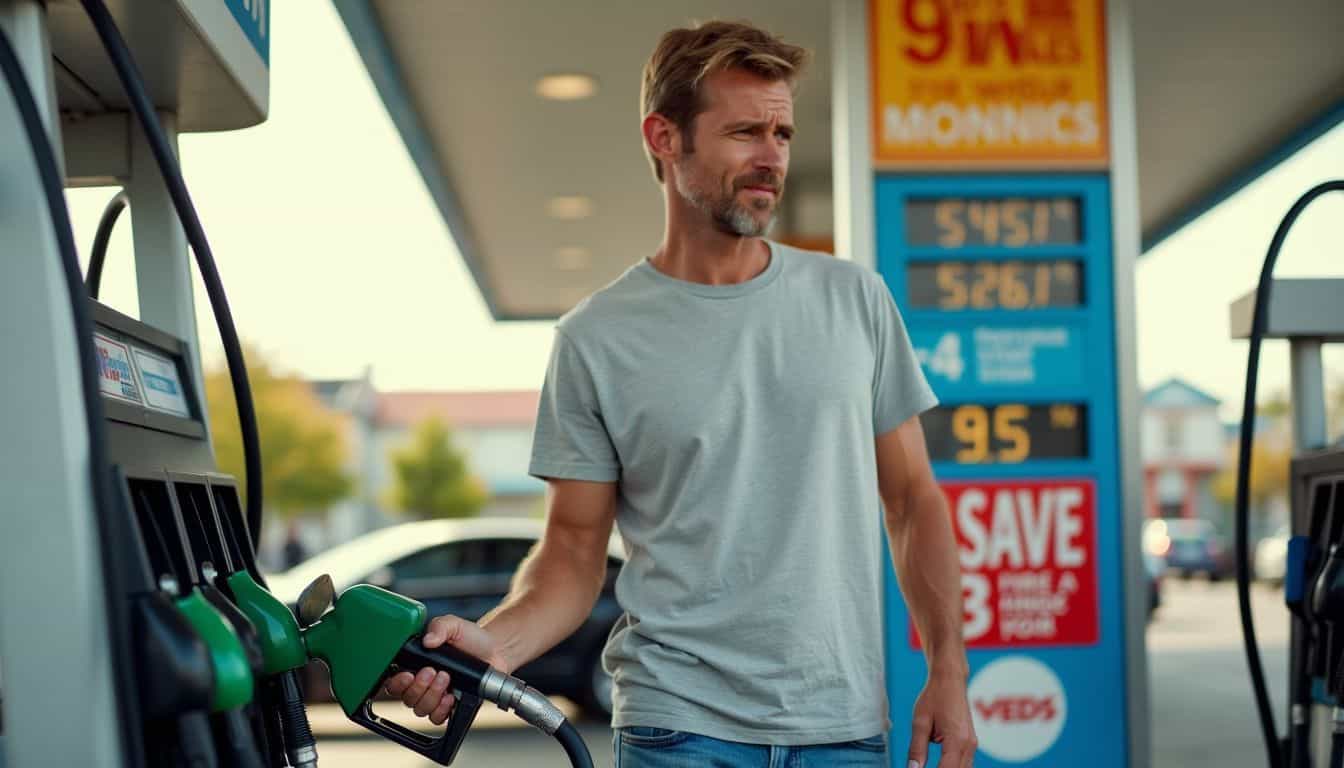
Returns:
(568,86)
(570,207)
(572,258)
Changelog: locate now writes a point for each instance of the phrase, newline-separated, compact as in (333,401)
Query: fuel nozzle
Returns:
(1328,607)
(232,671)
(283,655)
(371,633)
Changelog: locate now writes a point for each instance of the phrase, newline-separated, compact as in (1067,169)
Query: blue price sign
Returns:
(1005,285)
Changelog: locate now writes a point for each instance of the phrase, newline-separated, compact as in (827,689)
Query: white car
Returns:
(464,567)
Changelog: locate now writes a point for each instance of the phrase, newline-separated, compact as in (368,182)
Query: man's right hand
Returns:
(428,691)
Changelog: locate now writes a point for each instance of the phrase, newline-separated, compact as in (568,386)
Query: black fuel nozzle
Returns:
(177,680)
(1327,605)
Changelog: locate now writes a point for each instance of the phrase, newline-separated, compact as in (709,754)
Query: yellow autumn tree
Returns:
(1269,475)
(303,448)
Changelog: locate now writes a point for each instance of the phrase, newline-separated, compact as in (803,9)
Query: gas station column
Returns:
(985,167)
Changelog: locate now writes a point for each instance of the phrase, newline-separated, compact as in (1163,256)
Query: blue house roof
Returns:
(1178,393)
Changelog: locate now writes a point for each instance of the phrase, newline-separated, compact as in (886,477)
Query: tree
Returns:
(1269,475)
(1269,461)
(432,480)
(303,450)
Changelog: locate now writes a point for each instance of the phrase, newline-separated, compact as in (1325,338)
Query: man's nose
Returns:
(773,156)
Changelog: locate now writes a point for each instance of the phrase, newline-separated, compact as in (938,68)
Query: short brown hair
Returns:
(685,57)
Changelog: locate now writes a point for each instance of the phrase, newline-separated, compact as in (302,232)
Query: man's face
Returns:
(738,153)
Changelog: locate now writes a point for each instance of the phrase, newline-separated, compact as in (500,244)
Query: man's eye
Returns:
(784,135)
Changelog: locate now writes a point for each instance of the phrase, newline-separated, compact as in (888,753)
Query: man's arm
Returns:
(552,593)
(557,584)
(924,553)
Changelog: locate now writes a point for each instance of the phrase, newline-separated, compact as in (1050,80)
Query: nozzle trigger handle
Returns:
(465,677)
(442,749)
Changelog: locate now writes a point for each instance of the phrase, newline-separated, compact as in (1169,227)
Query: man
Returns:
(742,411)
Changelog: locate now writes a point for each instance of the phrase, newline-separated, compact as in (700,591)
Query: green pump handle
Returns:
(361,640)
(233,677)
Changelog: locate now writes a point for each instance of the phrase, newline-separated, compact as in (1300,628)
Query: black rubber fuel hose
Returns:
(143,108)
(98,256)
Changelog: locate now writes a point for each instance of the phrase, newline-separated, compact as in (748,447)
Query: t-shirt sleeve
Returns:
(571,440)
(900,390)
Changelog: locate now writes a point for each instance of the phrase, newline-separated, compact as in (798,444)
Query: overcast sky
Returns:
(334,257)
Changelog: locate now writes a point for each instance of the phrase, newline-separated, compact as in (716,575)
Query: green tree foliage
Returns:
(431,476)
(303,449)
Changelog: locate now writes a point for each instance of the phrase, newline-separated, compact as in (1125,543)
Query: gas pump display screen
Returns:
(1006,433)
(1011,285)
(1012,222)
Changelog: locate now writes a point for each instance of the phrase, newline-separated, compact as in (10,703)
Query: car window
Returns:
(433,563)
(507,554)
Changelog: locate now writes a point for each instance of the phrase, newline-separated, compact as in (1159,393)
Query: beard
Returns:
(730,216)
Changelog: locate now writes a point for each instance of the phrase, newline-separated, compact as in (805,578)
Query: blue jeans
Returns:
(643,747)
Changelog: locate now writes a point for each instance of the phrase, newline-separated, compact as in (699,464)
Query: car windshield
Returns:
(353,559)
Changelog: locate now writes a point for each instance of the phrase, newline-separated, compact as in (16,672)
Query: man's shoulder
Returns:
(820,265)
(608,304)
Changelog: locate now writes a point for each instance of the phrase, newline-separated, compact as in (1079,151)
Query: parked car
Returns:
(1190,546)
(464,567)
(1271,556)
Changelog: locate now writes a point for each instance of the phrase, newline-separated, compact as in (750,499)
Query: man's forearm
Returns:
(551,595)
(924,552)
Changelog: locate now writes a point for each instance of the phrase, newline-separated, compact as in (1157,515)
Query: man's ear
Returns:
(662,137)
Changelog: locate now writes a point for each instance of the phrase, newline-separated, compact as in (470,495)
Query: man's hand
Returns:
(427,691)
(943,716)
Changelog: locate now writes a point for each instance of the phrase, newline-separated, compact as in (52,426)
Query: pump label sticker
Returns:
(1028,562)
(1019,708)
(115,377)
(163,391)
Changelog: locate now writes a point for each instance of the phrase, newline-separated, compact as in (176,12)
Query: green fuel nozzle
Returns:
(371,633)
(232,669)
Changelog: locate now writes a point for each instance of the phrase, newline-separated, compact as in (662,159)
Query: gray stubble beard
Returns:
(731,218)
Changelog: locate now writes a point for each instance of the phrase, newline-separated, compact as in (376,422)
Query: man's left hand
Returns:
(943,716)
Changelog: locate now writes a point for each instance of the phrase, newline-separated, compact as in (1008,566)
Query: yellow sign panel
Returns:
(988,83)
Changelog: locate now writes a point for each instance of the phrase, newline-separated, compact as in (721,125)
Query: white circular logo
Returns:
(1019,708)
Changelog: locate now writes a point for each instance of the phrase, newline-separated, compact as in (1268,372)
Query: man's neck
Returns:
(710,257)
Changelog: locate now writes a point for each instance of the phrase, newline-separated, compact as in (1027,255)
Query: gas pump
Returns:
(1308,314)
(203,661)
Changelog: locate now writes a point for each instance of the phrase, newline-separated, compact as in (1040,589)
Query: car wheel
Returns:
(597,690)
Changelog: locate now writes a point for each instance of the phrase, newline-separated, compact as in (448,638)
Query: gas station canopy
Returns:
(550,199)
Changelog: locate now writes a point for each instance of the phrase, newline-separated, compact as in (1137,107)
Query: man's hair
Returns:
(675,73)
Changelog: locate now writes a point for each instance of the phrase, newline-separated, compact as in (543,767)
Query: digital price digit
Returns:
(1008,433)
(1008,222)
(1011,285)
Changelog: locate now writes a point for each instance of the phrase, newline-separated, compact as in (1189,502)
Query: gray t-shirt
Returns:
(739,423)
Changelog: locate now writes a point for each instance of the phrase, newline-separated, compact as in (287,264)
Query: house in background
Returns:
(493,431)
(1183,445)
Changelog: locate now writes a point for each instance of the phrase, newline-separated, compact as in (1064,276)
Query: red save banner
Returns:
(1028,562)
